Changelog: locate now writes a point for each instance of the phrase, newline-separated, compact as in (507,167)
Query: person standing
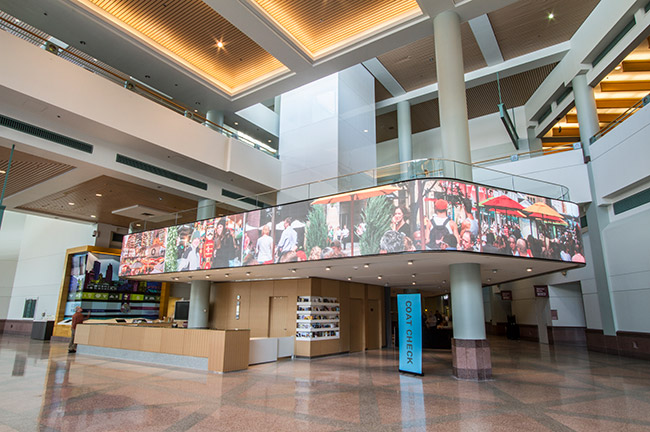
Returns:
(77,318)
(288,240)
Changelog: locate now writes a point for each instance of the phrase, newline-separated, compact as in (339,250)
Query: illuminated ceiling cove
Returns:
(195,34)
(321,26)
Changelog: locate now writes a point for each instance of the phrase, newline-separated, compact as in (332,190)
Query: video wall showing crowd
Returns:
(408,216)
(95,286)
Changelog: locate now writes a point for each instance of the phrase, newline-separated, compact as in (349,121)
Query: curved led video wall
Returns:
(413,215)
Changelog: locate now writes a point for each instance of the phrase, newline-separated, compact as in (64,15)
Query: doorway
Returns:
(373,325)
(278,317)
(357,325)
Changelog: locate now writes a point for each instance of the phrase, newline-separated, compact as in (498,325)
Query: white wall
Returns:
(627,252)
(566,299)
(487,135)
(40,264)
(11,233)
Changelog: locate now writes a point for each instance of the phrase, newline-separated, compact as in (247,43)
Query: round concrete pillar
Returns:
(200,289)
(215,116)
(404,136)
(454,127)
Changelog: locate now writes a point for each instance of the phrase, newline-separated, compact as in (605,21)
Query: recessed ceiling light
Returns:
(98,194)
(494,270)
(365,130)
(248,273)
(207,277)
(413,275)
(2,171)
(618,67)
(349,278)
(293,270)
(196,110)
(444,281)
(489,280)
(529,269)
(551,15)
(366,265)
(236,123)
(70,203)
(413,283)
(93,216)
(410,263)
(328,268)
(379,277)
(175,278)
(227,275)
(219,44)
(269,140)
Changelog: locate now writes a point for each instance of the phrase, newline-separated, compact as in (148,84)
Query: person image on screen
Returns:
(441,225)
(288,239)
(264,247)
(191,259)
(392,241)
(224,250)
(398,222)
(77,318)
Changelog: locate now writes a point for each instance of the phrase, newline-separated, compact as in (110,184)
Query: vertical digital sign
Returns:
(409,312)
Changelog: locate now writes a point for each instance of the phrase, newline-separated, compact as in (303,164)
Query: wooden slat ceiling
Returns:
(523,27)
(115,194)
(380,92)
(481,100)
(190,29)
(414,65)
(319,25)
(27,170)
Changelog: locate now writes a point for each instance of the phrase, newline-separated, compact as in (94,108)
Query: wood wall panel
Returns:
(172,342)
(113,338)
(261,292)
(216,348)
(152,339)
(236,353)
(97,335)
(82,334)
(196,342)
(132,338)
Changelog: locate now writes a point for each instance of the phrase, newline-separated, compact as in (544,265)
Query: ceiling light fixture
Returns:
(236,123)
(365,130)
(529,269)
(93,216)
(618,67)
(70,203)
(175,278)
(328,268)
(551,16)
(349,278)
(410,263)
(413,275)
(98,194)
(489,280)
(494,270)
(379,277)
(444,281)
(207,277)
(227,275)
(2,171)
(366,265)
(293,270)
(219,44)
(248,273)
(413,283)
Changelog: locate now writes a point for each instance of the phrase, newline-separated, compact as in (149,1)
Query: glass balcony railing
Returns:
(420,168)
(36,37)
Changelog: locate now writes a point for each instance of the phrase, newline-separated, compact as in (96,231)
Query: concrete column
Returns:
(597,216)
(470,349)
(200,289)
(454,127)
(215,116)
(404,137)
(534,143)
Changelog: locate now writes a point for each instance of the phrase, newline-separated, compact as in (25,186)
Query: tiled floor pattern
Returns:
(535,388)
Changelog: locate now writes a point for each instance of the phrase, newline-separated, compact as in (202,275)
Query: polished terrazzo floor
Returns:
(535,388)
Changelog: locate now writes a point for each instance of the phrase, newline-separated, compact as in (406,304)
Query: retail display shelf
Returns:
(317,318)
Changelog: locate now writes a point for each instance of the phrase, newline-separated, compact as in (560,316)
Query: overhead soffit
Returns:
(28,170)
(414,65)
(115,194)
(319,26)
(481,100)
(190,30)
(523,27)
(381,92)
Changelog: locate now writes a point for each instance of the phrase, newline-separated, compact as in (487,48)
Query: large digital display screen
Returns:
(423,214)
(95,286)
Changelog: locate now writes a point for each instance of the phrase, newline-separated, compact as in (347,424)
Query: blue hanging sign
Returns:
(409,320)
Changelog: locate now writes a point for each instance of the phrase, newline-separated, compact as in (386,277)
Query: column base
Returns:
(471,359)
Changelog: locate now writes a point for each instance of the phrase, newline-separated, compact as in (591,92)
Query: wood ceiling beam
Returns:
(560,140)
(612,86)
(615,103)
(602,118)
(636,66)
(566,131)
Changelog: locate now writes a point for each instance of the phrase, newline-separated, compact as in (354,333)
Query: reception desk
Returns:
(213,350)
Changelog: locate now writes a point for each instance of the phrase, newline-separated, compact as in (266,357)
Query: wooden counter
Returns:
(226,350)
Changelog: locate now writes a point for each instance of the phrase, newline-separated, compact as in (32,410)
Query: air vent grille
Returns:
(251,201)
(160,172)
(631,202)
(45,134)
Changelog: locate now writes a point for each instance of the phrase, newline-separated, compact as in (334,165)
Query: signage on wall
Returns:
(541,290)
(506,295)
(409,322)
